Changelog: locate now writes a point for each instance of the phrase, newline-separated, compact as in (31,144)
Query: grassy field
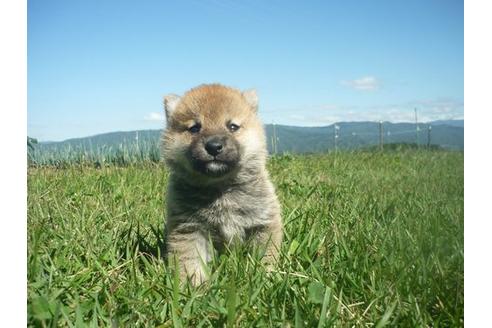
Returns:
(372,239)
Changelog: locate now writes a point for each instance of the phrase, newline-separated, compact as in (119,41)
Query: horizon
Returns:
(98,67)
(297,126)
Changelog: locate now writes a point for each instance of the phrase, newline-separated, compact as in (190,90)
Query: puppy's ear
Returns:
(252,98)
(170,103)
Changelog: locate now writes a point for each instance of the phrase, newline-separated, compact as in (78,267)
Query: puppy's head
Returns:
(213,133)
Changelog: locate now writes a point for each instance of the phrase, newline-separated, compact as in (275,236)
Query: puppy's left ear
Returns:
(252,98)
(170,103)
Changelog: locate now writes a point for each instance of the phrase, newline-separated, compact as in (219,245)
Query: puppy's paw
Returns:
(198,277)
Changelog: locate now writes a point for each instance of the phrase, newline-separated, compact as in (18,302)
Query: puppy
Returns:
(219,191)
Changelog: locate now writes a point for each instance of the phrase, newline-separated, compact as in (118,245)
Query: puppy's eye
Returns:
(195,128)
(233,127)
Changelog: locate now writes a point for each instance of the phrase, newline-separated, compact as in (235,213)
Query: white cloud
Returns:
(366,83)
(297,117)
(428,110)
(154,116)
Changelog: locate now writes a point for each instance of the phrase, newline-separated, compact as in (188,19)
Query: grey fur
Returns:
(223,213)
(205,214)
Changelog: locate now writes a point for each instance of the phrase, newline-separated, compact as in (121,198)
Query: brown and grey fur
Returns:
(210,206)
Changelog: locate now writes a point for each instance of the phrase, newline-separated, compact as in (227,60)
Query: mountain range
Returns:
(447,134)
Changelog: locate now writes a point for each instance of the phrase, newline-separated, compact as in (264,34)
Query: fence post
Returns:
(274,139)
(336,136)
(381,135)
(429,136)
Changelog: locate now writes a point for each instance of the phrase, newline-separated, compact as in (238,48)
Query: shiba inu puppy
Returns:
(219,190)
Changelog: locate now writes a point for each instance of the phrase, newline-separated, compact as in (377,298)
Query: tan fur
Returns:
(206,212)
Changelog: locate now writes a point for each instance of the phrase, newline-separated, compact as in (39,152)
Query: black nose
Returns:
(214,147)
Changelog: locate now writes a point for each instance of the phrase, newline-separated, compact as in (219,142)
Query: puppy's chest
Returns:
(234,208)
(232,214)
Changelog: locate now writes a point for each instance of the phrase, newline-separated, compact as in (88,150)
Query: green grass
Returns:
(371,239)
(127,153)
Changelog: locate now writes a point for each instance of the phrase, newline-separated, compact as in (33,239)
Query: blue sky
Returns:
(101,66)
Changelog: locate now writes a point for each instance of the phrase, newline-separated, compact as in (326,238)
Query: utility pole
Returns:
(336,136)
(381,135)
(274,139)
(429,136)
(416,128)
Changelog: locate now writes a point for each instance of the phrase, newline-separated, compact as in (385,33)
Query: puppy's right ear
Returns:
(170,103)
(252,98)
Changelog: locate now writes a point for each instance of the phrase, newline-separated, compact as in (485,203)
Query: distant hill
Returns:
(111,139)
(458,123)
(296,139)
(352,135)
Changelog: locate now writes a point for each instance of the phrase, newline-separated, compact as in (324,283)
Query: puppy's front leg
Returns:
(188,245)
(269,239)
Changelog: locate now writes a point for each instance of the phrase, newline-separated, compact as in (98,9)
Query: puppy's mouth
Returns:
(213,167)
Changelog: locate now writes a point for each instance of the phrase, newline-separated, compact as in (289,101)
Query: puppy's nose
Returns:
(214,147)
